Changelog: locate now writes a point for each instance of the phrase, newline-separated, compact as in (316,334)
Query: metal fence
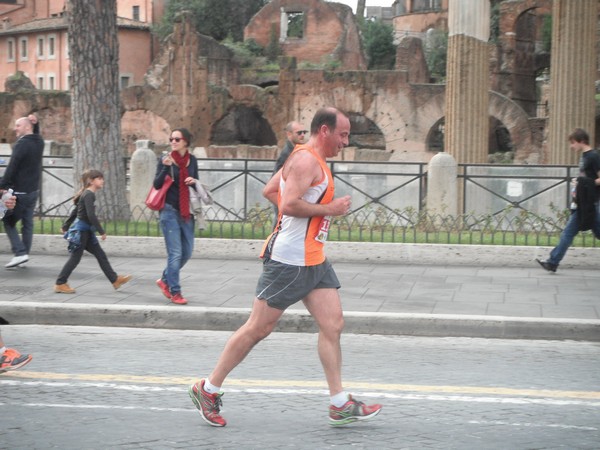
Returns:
(501,204)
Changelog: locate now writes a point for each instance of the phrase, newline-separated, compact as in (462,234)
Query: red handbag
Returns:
(155,199)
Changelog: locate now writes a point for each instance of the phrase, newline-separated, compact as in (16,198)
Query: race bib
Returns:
(323,230)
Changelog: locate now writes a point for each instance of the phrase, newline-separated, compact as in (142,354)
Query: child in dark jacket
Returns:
(81,227)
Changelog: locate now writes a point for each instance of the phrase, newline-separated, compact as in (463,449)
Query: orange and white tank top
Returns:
(299,241)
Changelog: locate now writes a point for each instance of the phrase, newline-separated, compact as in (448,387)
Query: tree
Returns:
(378,39)
(216,18)
(360,8)
(547,33)
(94,57)
(436,52)
(495,22)
(273,50)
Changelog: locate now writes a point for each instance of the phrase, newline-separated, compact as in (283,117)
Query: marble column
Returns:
(572,76)
(467,85)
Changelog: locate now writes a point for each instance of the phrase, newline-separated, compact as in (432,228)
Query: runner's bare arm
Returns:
(299,174)
(272,188)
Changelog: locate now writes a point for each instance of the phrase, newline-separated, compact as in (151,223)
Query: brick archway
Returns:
(516,70)
(383,114)
(242,125)
(517,122)
(504,110)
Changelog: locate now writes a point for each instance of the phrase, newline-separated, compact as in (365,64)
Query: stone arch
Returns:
(499,138)
(365,133)
(512,11)
(242,124)
(383,113)
(517,122)
(142,124)
(428,117)
(435,137)
(504,112)
(518,61)
(500,145)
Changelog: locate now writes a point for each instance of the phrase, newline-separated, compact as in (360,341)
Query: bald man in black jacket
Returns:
(23,174)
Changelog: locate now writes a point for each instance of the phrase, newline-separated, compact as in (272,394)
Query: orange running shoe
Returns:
(12,360)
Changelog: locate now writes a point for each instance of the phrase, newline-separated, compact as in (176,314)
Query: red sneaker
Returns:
(209,405)
(12,360)
(178,299)
(164,288)
(352,411)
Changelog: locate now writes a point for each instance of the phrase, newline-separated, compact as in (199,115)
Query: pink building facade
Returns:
(33,40)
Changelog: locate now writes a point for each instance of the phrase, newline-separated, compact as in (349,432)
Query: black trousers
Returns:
(89,244)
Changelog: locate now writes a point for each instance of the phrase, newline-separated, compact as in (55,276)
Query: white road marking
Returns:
(134,383)
(550,401)
(529,424)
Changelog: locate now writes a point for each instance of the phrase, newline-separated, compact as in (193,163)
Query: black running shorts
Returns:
(282,285)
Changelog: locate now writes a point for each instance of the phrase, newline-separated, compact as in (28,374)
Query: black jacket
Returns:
(24,171)
(585,197)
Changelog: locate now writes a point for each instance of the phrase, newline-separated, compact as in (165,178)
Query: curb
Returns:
(356,252)
(230,319)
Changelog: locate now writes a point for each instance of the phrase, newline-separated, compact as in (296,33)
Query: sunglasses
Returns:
(301,132)
(175,139)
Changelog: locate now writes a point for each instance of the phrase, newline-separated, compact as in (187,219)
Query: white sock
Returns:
(2,350)
(210,388)
(339,400)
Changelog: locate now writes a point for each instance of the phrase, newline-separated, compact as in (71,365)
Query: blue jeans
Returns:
(179,239)
(569,233)
(23,211)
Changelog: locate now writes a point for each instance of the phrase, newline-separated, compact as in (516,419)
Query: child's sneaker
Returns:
(352,411)
(209,405)
(12,360)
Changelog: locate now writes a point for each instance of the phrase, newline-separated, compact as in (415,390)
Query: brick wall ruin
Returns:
(194,83)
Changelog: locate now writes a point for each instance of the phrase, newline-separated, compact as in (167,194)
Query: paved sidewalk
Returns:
(378,298)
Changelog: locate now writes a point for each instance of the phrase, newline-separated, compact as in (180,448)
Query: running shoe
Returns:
(209,405)
(352,411)
(12,360)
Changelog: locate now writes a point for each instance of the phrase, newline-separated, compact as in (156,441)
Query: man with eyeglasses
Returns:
(295,134)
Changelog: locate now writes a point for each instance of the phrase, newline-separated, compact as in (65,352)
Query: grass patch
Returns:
(339,232)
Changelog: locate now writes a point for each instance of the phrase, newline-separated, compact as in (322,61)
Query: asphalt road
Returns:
(125,388)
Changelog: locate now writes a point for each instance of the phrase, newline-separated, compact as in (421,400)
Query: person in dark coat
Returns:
(23,175)
(585,213)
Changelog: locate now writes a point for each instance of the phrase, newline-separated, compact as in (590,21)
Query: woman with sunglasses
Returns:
(176,221)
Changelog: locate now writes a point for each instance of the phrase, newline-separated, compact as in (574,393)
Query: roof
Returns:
(61,23)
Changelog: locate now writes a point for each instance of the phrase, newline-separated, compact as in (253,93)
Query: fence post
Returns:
(142,170)
(442,189)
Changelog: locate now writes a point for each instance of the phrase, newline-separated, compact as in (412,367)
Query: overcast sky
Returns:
(352,3)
